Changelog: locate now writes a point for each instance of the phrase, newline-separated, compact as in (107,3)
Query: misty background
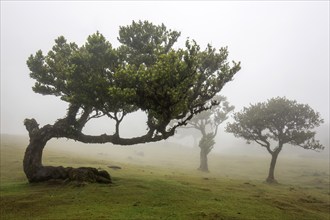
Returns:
(283,48)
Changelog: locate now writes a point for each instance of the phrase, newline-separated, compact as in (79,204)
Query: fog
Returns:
(283,48)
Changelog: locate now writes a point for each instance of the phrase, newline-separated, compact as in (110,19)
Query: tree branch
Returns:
(31,126)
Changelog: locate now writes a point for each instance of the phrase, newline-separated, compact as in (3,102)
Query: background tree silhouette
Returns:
(207,122)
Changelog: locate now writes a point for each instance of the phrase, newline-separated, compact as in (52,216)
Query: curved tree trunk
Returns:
(71,127)
(36,172)
(203,161)
(32,163)
(271,176)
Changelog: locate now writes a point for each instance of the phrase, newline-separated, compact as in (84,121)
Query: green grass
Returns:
(167,187)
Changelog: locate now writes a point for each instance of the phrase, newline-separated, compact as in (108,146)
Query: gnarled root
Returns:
(82,174)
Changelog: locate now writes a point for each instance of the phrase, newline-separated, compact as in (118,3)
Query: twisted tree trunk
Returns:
(71,127)
(36,172)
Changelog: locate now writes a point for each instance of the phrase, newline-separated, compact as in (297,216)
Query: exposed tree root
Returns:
(81,175)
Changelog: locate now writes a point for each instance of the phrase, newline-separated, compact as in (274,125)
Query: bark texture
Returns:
(36,172)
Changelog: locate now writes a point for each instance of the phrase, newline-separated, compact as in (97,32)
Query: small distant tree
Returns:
(278,120)
(207,123)
(144,73)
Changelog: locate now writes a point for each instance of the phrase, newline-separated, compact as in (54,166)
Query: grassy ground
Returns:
(167,187)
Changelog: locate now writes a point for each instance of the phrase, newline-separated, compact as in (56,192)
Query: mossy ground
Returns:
(143,190)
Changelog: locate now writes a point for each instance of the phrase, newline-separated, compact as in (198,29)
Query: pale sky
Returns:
(283,47)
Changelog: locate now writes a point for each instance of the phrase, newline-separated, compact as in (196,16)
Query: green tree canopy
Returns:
(144,73)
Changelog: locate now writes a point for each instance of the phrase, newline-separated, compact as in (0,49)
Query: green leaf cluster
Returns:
(145,72)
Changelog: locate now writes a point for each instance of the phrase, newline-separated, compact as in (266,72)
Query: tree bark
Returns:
(36,172)
(71,127)
(32,163)
(203,161)
(271,175)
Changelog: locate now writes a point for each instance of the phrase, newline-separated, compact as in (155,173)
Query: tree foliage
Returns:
(278,120)
(144,73)
(281,120)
